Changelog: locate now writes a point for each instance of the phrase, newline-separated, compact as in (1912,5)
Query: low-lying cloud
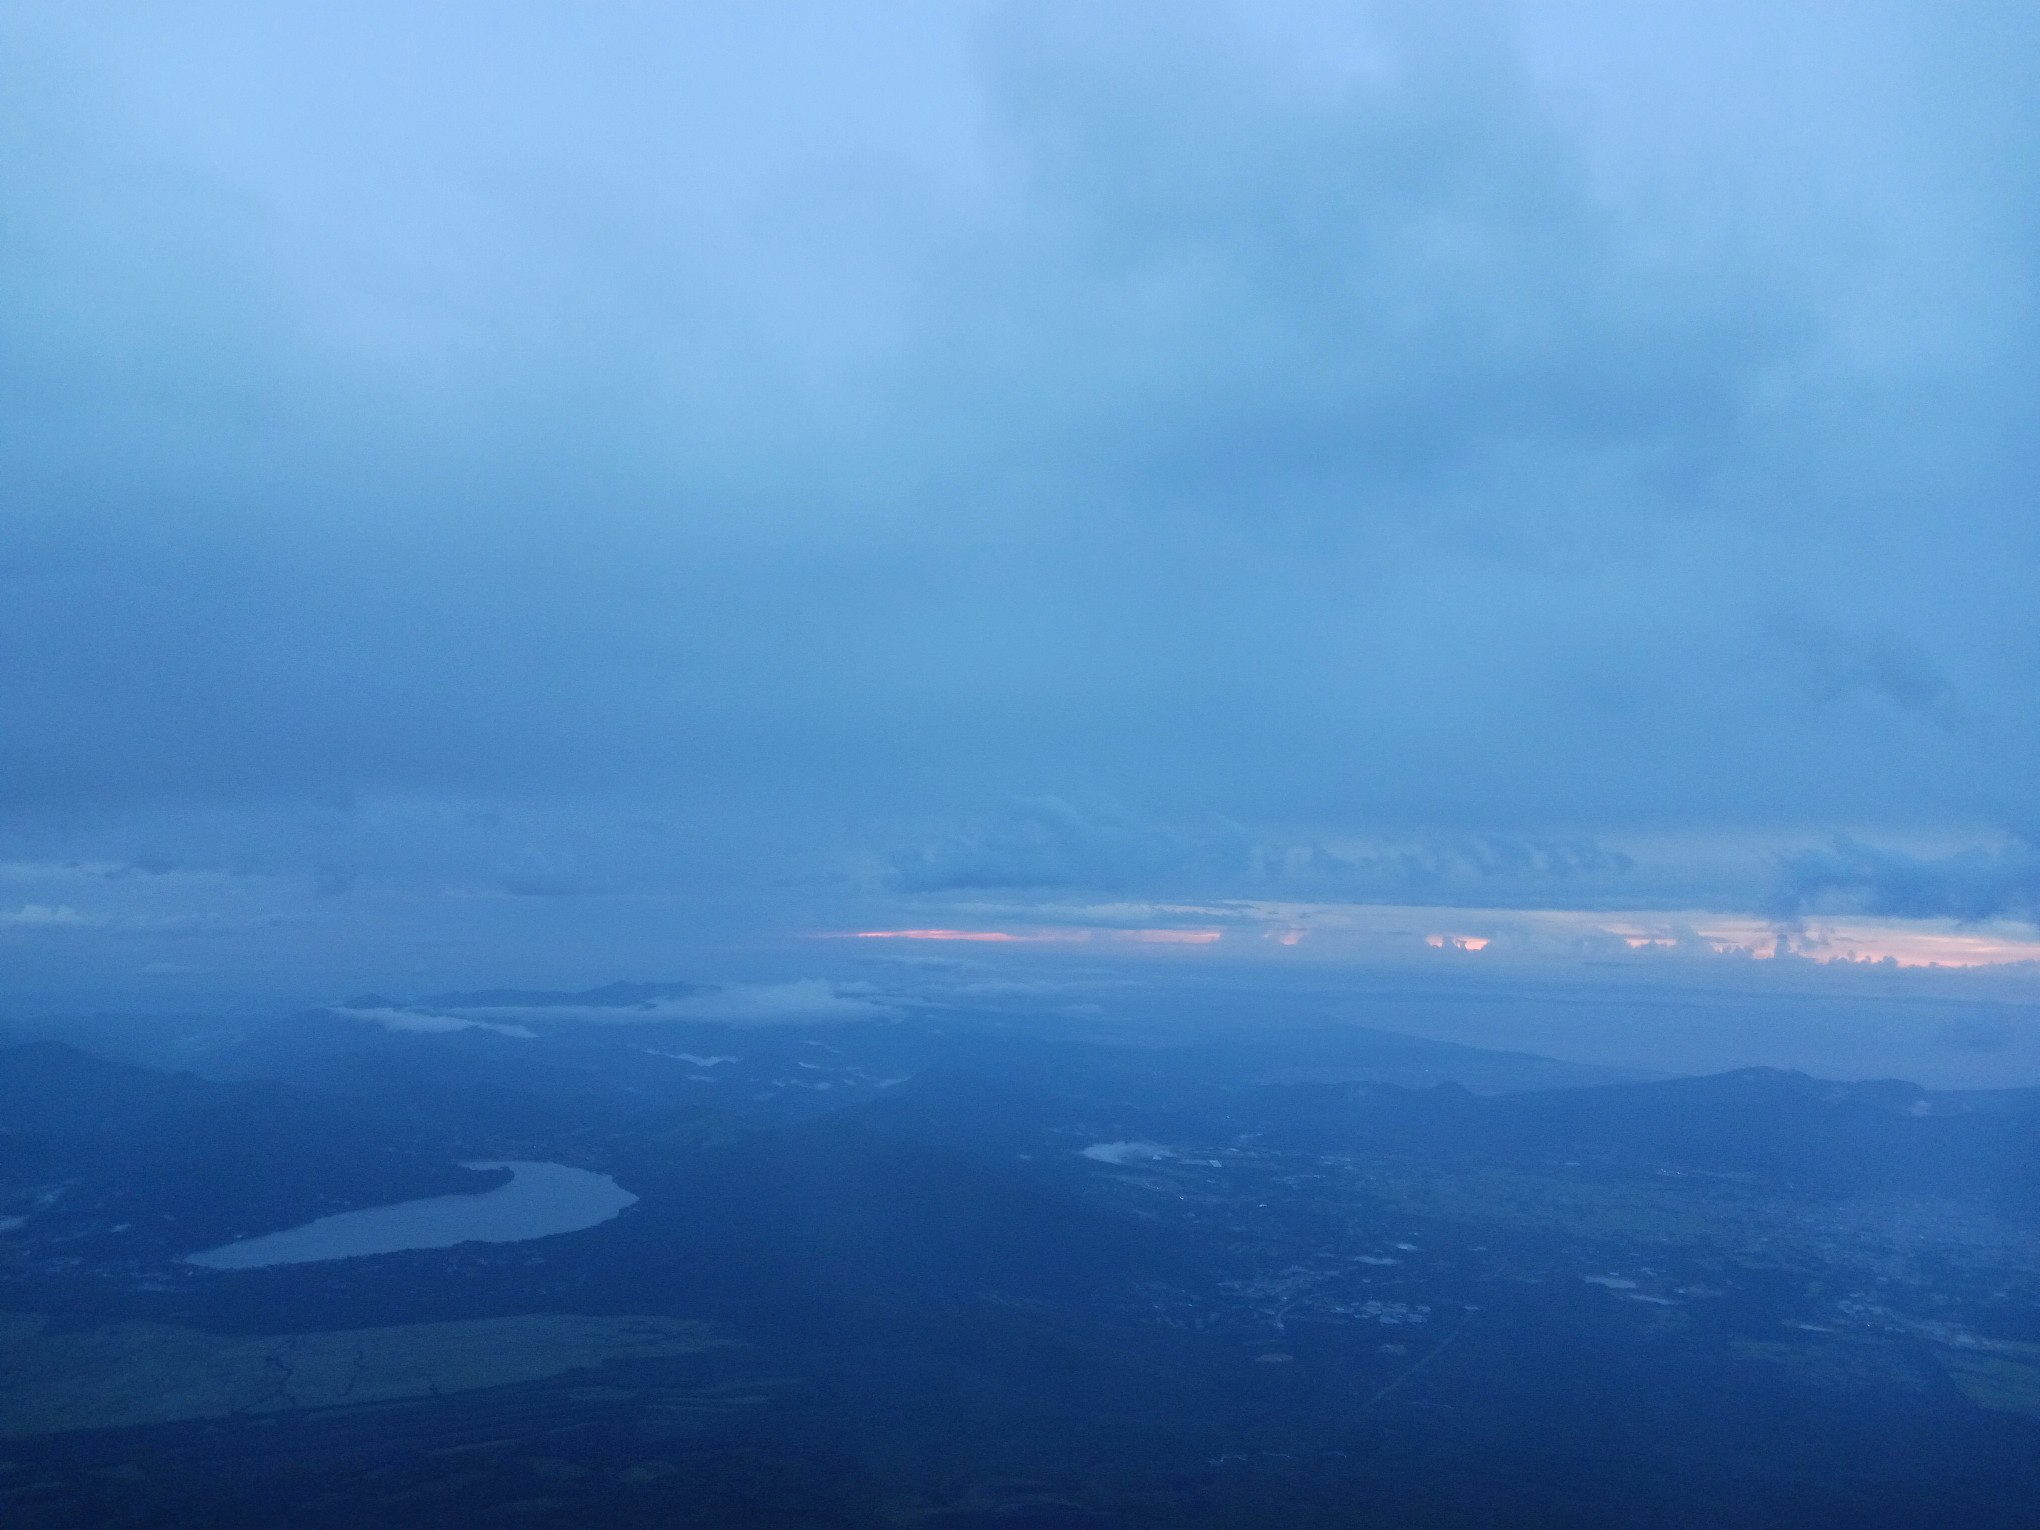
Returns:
(808,1001)
(425,1022)
(1969,886)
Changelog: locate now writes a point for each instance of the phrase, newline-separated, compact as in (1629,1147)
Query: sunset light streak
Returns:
(1350,932)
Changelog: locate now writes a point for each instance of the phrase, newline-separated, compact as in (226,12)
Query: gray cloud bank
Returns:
(1050,844)
(1969,885)
(499,451)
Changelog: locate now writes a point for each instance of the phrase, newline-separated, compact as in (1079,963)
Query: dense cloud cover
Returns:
(767,458)
(1969,886)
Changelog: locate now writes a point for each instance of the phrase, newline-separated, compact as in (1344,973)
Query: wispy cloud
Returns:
(805,1001)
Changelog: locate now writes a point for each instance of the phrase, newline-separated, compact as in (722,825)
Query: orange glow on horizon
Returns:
(1845,942)
(1903,948)
(1457,942)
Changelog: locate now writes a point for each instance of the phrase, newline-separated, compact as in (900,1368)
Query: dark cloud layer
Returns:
(1049,844)
(673,451)
(1969,885)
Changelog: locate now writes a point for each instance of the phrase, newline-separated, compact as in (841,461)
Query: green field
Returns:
(130,1373)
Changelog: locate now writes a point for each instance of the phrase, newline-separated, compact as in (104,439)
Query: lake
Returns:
(542,1199)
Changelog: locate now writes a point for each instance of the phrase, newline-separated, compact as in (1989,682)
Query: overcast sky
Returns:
(477,475)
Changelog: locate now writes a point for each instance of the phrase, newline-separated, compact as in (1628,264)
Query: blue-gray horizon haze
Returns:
(542,495)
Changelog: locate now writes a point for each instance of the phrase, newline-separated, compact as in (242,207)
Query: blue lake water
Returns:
(541,1199)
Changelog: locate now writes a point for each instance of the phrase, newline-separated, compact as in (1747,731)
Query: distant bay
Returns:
(541,1200)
